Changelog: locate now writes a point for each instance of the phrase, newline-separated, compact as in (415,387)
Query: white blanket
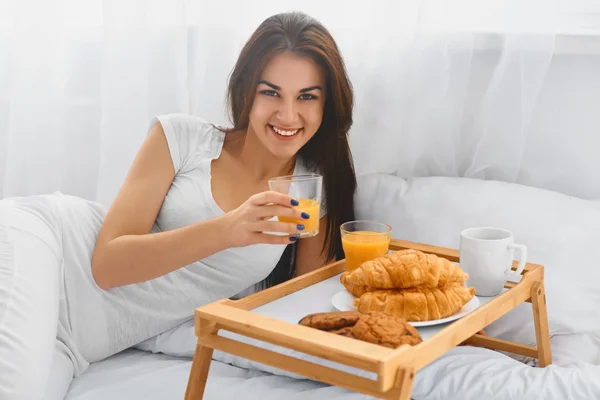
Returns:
(137,375)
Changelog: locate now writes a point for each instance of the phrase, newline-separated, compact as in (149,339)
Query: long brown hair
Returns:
(328,150)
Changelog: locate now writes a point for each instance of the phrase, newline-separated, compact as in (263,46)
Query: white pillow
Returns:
(560,231)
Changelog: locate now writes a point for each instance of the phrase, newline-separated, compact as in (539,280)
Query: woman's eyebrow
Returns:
(308,89)
(275,87)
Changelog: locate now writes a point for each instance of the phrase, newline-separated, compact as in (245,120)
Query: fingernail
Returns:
(293,238)
(305,215)
(294,202)
(300,227)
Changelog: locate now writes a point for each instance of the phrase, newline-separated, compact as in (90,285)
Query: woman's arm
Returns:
(125,253)
(309,256)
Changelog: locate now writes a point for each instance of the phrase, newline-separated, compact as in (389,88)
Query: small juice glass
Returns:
(364,240)
(307,190)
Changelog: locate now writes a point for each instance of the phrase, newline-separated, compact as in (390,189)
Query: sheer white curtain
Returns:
(460,88)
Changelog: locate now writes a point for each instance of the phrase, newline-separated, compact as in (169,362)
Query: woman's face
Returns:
(288,105)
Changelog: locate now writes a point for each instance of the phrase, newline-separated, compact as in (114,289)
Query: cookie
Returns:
(347,331)
(385,330)
(331,320)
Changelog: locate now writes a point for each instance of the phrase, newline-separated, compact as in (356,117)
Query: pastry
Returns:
(347,331)
(355,290)
(373,327)
(417,304)
(404,269)
(330,320)
(385,330)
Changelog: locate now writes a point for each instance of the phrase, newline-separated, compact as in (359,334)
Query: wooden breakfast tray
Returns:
(395,368)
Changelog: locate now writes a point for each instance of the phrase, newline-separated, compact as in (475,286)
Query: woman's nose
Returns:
(287,112)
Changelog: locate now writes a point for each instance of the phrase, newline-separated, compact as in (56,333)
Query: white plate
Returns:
(344,301)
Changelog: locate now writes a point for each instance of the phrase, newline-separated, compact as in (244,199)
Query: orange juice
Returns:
(361,246)
(311,225)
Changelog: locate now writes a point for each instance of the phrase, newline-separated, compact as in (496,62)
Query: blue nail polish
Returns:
(294,202)
(293,238)
(305,215)
(300,227)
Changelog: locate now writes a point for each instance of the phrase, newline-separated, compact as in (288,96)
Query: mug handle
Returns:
(522,260)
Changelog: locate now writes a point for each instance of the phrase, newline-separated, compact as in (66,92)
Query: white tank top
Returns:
(105,322)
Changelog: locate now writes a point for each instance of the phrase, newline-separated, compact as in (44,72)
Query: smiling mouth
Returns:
(283,132)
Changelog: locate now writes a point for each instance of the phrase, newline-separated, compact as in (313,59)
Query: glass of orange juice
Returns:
(306,189)
(364,240)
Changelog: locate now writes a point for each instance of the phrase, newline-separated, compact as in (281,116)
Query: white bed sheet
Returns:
(463,373)
(139,375)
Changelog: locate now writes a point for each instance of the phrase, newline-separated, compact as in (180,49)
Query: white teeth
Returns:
(285,133)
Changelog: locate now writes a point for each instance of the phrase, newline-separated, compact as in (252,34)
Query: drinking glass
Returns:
(364,240)
(307,190)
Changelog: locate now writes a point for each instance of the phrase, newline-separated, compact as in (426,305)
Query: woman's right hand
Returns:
(246,224)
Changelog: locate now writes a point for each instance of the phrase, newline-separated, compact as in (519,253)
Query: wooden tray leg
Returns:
(199,372)
(540,318)
(403,385)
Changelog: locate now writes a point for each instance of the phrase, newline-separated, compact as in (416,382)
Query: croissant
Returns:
(405,269)
(355,290)
(417,304)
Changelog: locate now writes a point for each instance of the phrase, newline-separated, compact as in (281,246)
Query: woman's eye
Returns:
(271,93)
(307,96)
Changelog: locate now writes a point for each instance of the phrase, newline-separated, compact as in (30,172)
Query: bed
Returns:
(463,373)
(135,374)
(560,231)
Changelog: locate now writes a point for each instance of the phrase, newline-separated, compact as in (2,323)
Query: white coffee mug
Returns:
(487,254)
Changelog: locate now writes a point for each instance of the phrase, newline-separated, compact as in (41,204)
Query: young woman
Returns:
(188,225)
(291,104)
